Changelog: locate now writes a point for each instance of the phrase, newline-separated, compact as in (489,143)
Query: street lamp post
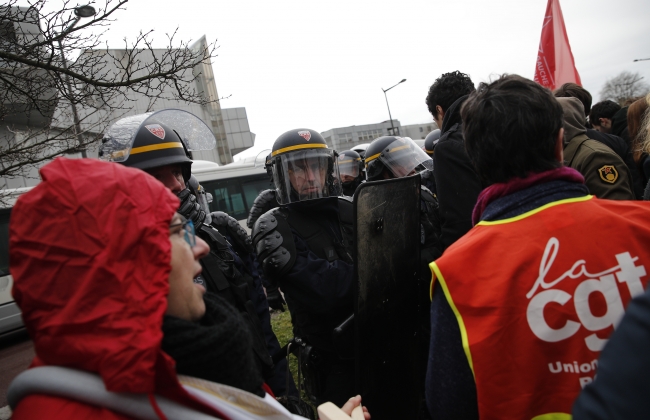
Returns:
(392,127)
(80,12)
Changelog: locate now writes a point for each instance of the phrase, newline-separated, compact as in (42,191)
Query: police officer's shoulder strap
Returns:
(215,239)
(88,388)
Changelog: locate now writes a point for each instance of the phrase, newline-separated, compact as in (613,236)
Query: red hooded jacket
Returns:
(90,256)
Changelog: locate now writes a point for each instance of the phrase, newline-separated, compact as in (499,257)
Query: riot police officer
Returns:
(351,171)
(302,247)
(150,142)
(395,157)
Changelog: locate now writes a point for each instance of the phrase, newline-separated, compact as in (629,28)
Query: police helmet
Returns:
(304,168)
(431,140)
(350,164)
(155,145)
(400,156)
(155,139)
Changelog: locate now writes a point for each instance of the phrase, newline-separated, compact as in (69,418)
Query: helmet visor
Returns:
(348,167)
(403,157)
(306,175)
(119,137)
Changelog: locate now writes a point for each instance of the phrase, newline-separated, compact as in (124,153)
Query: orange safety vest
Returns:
(536,297)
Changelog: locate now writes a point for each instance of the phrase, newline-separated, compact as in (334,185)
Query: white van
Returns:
(234,187)
(10,319)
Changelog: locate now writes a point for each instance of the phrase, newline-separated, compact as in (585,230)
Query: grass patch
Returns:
(281,324)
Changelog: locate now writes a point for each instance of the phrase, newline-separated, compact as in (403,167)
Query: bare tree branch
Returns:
(41,80)
(624,86)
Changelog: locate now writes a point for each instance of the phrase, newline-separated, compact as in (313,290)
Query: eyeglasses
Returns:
(190,233)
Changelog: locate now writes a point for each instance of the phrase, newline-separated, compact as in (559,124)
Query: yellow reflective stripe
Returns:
(535,211)
(158,146)
(459,318)
(346,161)
(395,149)
(118,154)
(298,147)
(373,157)
(553,416)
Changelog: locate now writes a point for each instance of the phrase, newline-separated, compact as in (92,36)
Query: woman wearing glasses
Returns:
(105,284)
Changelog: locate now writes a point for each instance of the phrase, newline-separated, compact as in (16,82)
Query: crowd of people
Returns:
(533,246)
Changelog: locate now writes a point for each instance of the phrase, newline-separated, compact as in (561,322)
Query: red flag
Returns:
(555,65)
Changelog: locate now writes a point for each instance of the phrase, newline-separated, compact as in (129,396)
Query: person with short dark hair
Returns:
(457,185)
(601,115)
(514,330)
(573,90)
(605,174)
(616,143)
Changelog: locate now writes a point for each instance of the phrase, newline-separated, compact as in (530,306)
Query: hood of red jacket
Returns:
(90,256)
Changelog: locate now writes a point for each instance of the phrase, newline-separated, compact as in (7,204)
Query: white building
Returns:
(238,130)
(134,103)
(96,115)
(418,131)
(345,138)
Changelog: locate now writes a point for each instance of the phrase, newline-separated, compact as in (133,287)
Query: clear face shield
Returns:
(348,168)
(119,137)
(306,175)
(402,158)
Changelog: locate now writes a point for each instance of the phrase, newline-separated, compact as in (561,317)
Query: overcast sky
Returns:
(322,64)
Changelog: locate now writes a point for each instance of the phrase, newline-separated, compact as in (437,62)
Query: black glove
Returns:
(275,299)
(189,208)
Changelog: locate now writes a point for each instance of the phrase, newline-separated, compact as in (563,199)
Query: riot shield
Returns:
(387,237)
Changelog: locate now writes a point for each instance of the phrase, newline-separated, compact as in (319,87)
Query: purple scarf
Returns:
(495,191)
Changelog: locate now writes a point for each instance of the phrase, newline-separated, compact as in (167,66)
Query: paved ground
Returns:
(16,353)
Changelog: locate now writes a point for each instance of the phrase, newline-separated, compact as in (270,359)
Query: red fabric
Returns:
(495,191)
(267,389)
(39,407)
(555,65)
(537,298)
(90,256)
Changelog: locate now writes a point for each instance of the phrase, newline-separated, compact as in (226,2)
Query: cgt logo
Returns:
(604,283)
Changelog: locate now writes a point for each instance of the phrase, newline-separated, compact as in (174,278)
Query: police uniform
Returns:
(606,175)
(302,248)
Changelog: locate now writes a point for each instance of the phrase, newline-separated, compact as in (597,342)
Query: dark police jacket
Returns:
(319,285)
(224,279)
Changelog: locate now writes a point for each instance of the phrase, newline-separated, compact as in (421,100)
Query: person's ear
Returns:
(559,146)
(440,112)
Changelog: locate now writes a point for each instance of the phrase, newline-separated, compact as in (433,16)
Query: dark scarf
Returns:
(554,178)
(217,349)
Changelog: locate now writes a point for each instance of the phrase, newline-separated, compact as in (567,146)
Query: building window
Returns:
(370,135)
(421,129)
(345,138)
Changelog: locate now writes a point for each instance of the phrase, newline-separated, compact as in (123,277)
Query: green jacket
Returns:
(605,173)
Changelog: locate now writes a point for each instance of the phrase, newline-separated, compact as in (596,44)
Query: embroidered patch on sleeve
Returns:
(608,173)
